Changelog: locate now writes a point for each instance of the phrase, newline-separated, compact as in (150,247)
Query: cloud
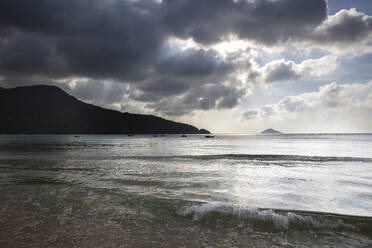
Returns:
(124,40)
(103,93)
(344,102)
(282,70)
(200,79)
(263,112)
(250,114)
(345,27)
(292,104)
(155,90)
(204,97)
(95,39)
(369,100)
(194,63)
(124,51)
(264,21)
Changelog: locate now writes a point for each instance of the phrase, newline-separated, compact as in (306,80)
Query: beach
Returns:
(290,190)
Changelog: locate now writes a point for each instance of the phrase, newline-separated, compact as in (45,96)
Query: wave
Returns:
(259,157)
(274,219)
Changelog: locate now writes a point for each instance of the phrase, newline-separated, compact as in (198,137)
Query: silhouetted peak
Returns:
(270,131)
(40,88)
(204,131)
(48,109)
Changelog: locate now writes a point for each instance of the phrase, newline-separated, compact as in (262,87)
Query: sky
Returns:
(230,66)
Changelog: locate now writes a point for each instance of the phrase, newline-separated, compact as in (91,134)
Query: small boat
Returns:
(183,136)
(209,136)
(130,135)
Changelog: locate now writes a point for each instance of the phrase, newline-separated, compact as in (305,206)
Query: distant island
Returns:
(270,131)
(46,109)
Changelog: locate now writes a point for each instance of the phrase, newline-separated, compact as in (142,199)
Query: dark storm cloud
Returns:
(179,71)
(126,42)
(204,97)
(79,17)
(96,39)
(264,21)
(104,93)
(194,63)
(122,39)
(155,90)
(25,54)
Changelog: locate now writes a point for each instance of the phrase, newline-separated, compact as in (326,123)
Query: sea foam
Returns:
(256,217)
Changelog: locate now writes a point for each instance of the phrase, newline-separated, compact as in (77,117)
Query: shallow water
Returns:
(144,191)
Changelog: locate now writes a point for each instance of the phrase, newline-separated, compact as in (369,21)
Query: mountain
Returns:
(270,131)
(49,110)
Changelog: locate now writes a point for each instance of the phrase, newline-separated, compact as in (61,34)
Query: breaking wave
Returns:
(271,219)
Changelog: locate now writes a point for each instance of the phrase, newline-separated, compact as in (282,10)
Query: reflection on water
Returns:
(172,191)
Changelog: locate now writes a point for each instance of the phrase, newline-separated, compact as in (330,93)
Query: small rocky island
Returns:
(270,131)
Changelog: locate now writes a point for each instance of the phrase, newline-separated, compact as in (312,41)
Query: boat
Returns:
(209,136)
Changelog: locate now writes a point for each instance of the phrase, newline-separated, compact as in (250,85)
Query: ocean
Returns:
(290,190)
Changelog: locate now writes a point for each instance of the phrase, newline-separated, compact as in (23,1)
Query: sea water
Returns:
(292,190)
